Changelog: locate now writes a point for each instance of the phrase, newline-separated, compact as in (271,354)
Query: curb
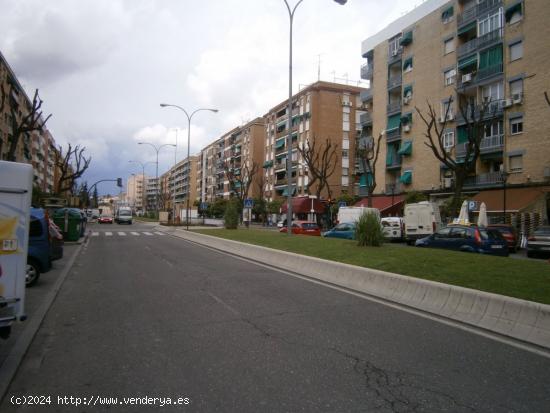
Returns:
(16,354)
(521,320)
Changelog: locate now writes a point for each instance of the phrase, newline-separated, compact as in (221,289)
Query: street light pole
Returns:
(189,117)
(504,175)
(289,120)
(157,183)
(174,179)
(143,182)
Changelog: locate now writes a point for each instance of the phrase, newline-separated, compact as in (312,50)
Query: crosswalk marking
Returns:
(125,233)
(134,233)
(159,233)
(95,234)
(147,233)
(108,234)
(122,234)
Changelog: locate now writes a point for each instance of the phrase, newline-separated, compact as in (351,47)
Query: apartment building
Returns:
(38,147)
(230,161)
(466,52)
(320,112)
(135,194)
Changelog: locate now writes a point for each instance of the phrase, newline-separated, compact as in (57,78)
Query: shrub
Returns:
(369,231)
(231,215)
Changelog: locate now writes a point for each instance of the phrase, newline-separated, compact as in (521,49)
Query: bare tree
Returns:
(475,119)
(547,98)
(367,152)
(241,179)
(321,163)
(72,166)
(21,124)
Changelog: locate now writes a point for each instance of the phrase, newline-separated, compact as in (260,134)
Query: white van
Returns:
(124,215)
(352,214)
(15,205)
(393,228)
(421,219)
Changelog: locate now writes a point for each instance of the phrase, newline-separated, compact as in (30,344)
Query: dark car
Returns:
(468,239)
(43,248)
(538,244)
(345,230)
(304,228)
(509,233)
(105,219)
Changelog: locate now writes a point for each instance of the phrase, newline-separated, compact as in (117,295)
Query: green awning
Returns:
(268,164)
(510,11)
(467,28)
(408,63)
(280,143)
(463,158)
(365,179)
(406,148)
(407,118)
(407,38)
(467,61)
(447,13)
(393,122)
(406,178)
(462,135)
(407,90)
(491,57)
(281,123)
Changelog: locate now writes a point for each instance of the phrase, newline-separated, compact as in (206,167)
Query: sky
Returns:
(104,66)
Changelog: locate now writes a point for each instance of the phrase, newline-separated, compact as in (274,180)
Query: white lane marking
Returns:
(134,233)
(147,233)
(159,233)
(95,234)
(108,233)
(122,234)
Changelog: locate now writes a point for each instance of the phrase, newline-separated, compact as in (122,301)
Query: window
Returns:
(450,77)
(447,111)
(490,23)
(345,143)
(345,180)
(516,89)
(345,171)
(516,125)
(516,51)
(345,153)
(449,46)
(448,140)
(492,92)
(514,13)
(515,163)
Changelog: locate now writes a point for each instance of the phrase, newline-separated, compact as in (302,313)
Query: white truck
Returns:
(352,214)
(421,219)
(15,204)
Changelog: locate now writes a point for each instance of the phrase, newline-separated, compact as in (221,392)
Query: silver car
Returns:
(539,243)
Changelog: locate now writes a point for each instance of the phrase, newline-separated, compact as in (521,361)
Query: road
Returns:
(154,316)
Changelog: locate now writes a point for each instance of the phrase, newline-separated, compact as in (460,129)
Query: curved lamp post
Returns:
(189,116)
(289,123)
(143,183)
(157,150)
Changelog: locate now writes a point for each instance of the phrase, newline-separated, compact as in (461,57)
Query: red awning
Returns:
(382,202)
(302,205)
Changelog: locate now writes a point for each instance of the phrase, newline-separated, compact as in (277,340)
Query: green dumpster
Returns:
(69,221)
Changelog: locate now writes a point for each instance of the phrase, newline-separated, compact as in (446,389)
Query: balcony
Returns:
(487,145)
(471,14)
(395,163)
(365,95)
(394,107)
(484,180)
(395,81)
(395,188)
(394,56)
(484,41)
(471,79)
(367,71)
(365,119)
(493,110)
(393,135)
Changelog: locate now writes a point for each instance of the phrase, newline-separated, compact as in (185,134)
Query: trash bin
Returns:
(70,222)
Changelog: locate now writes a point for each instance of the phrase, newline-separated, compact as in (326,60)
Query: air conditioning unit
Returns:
(507,103)
(450,116)
(346,104)
(467,78)
(406,100)
(394,53)
(406,128)
(447,182)
(517,98)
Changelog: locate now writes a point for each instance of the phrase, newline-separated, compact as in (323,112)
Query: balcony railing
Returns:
(493,110)
(365,118)
(367,71)
(396,163)
(393,107)
(395,188)
(489,71)
(486,40)
(365,95)
(470,14)
(487,145)
(394,56)
(481,74)
(488,179)
(393,135)
(395,81)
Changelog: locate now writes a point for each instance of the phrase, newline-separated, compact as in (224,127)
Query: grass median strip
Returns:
(525,279)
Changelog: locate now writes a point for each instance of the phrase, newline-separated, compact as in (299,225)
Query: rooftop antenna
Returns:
(319,66)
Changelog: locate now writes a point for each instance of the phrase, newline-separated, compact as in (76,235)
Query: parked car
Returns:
(345,230)
(105,219)
(304,228)
(43,248)
(509,233)
(539,243)
(281,223)
(467,238)
(393,228)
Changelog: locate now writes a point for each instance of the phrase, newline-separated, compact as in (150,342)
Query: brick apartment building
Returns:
(467,50)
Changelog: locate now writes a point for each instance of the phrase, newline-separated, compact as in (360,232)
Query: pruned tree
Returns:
(475,119)
(23,121)
(367,152)
(241,178)
(320,160)
(72,164)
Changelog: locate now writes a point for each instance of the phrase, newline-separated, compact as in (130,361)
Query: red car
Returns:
(105,219)
(509,233)
(304,228)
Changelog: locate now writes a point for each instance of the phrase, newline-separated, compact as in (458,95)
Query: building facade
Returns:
(322,112)
(135,192)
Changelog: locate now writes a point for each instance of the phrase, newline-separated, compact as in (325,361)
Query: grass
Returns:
(525,279)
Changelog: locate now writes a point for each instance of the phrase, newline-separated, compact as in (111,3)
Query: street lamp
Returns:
(174,179)
(504,175)
(157,150)
(289,122)
(143,181)
(164,105)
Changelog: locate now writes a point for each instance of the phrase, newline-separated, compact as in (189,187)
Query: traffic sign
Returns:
(473,205)
(203,205)
(342,204)
(248,203)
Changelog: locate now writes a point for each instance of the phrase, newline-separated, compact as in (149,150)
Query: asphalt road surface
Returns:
(147,316)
